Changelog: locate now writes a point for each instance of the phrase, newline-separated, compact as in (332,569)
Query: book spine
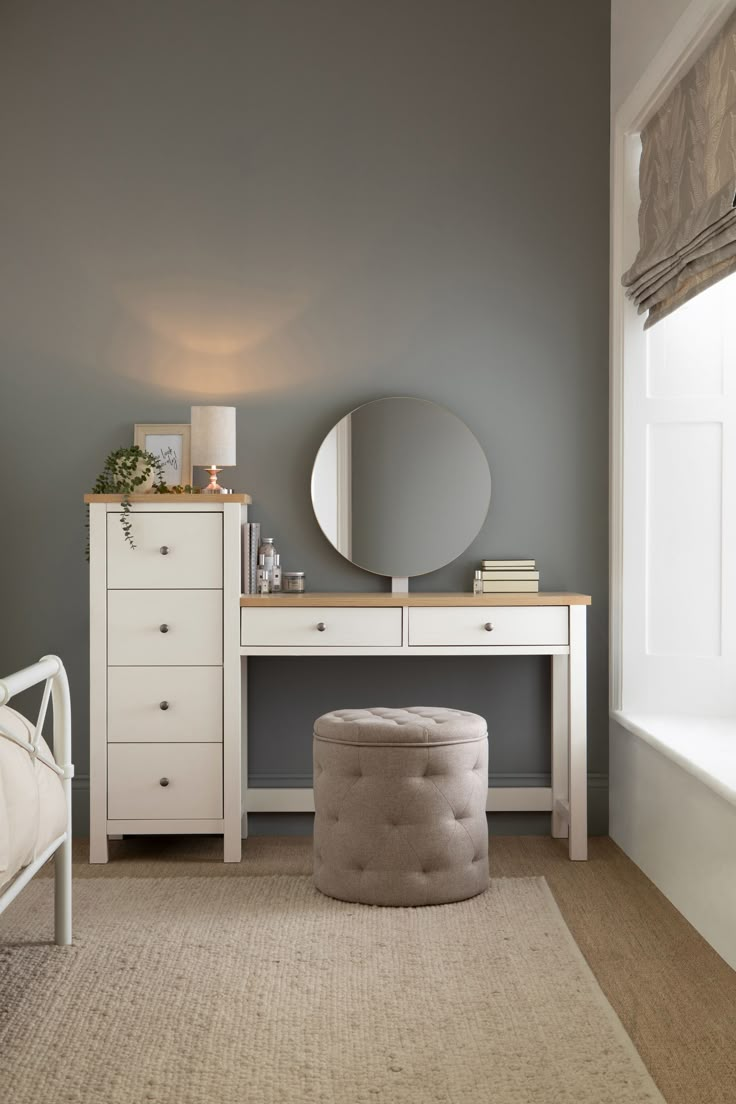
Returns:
(255,540)
(528,576)
(508,565)
(510,588)
(245,569)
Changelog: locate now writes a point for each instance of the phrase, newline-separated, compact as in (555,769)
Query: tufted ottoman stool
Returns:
(400,805)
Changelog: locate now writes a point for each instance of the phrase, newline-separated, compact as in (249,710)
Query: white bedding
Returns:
(32,808)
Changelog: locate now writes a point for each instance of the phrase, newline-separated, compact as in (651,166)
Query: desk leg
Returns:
(578,736)
(244,744)
(232,797)
(560,746)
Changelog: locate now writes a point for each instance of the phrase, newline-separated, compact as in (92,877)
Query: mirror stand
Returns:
(399,584)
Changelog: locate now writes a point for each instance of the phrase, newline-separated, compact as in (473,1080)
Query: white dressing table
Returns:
(170,635)
(441,624)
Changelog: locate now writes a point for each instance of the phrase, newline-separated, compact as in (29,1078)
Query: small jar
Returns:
(292,582)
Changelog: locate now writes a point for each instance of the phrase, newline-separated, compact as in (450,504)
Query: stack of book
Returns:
(509,576)
(251,540)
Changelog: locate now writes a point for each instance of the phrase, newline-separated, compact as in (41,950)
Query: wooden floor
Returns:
(675,996)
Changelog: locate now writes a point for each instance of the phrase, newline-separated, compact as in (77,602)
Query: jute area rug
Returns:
(190,990)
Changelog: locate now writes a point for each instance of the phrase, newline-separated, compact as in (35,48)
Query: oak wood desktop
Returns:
(426,598)
(152,498)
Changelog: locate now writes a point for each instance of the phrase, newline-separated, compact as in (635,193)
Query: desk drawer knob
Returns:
(488,626)
(321,626)
(163,782)
(164,550)
(163,628)
(163,705)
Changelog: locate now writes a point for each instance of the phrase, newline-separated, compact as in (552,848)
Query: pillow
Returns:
(19,819)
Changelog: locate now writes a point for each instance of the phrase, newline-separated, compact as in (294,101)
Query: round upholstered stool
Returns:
(400,805)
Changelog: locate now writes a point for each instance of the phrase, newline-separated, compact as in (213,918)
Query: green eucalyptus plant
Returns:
(124,471)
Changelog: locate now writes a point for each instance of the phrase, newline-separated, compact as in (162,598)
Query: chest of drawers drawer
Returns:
(164,627)
(164,781)
(316,626)
(164,705)
(172,550)
(488,625)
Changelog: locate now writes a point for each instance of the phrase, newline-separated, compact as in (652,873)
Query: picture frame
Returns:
(172,444)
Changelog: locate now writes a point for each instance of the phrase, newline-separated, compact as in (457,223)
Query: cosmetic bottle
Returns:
(263,577)
(276,574)
(478,583)
(267,551)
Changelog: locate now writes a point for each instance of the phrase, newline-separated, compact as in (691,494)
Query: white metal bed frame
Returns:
(50,670)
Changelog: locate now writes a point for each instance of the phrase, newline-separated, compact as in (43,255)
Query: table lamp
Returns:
(213,442)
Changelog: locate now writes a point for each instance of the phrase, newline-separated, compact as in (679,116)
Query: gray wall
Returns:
(296,207)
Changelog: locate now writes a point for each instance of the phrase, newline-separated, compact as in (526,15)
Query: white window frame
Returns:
(696,28)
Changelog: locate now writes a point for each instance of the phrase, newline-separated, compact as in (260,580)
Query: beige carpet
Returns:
(231,991)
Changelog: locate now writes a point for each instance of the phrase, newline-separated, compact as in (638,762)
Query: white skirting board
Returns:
(597,799)
(501,799)
(679,832)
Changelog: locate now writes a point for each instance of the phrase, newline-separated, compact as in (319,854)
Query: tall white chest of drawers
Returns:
(165,702)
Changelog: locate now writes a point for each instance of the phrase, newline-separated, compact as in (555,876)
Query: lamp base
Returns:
(213,487)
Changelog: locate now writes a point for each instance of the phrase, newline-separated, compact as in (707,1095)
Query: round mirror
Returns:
(400,486)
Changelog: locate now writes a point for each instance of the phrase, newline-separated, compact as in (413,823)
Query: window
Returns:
(679,550)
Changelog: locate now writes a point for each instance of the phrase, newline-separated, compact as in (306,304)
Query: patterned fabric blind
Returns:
(687,184)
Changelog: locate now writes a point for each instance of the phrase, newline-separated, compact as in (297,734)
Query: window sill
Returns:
(703,746)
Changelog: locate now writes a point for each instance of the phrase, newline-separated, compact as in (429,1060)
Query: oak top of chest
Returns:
(165,499)
(417,598)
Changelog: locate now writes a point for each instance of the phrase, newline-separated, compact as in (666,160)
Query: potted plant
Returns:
(127,471)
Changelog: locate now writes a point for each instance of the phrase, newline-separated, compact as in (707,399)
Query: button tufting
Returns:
(401,804)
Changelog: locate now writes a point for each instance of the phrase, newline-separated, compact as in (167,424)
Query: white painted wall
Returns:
(679,832)
(638,29)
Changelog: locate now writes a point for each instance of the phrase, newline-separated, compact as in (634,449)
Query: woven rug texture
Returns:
(260,990)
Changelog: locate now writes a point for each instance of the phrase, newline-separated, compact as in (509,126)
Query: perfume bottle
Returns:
(478,582)
(267,551)
(263,577)
(276,574)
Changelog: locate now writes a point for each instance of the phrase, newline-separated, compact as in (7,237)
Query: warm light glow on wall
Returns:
(210,339)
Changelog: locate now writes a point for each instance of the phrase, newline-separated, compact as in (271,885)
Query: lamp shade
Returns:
(213,436)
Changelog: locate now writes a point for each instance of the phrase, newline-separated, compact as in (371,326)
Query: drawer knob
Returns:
(163,705)
(321,626)
(163,628)
(164,549)
(163,782)
(488,626)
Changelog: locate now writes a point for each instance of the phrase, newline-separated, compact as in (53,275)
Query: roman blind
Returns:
(687,185)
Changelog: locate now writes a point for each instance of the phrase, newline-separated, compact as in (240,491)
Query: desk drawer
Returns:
(172,550)
(193,775)
(164,628)
(164,705)
(300,627)
(466,625)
